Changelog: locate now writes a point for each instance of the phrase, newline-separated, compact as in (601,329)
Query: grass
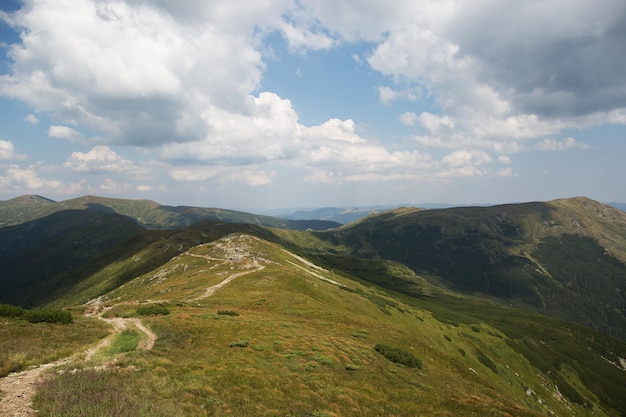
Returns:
(126,341)
(99,393)
(24,344)
(309,351)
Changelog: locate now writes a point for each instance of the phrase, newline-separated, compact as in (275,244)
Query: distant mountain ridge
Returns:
(346,215)
(147,213)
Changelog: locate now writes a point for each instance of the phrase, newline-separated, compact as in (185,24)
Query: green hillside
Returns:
(565,258)
(34,253)
(409,312)
(256,330)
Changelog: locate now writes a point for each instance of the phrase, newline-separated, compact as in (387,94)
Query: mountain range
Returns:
(515,309)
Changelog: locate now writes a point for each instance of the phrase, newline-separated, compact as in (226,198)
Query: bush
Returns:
(153,310)
(398,355)
(38,315)
(7,310)
(227,313)
(486,360)
(48,315)
(241,343)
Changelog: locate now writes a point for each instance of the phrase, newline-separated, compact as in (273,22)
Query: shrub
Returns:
(398,355)
(7,310)
(227,313)
(48,315)
(38,315)
(486,360)
(153,310)
(240,343)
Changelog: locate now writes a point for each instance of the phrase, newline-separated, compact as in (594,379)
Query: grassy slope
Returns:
(565,258)
(34,253)
(304,346)
(24,344)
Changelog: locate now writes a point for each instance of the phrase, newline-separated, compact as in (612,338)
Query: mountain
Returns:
(492,311)
(147,213)
(255,329)
(340,215)
(35,252)
(566,258)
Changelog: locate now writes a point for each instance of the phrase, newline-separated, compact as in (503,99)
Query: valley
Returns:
(225,318)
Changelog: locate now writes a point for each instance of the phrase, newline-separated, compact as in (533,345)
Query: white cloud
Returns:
(143,188)
(387,95)
(184,78)
(560,145)
(7,151)
(32,119)
(408,118)
(28,180)
(223,175)
(465,157)
(64,132)
(102,159)
(504,159)
(494,81)
(132,70)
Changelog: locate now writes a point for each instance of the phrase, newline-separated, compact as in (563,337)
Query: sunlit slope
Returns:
(566,258)
(256,330)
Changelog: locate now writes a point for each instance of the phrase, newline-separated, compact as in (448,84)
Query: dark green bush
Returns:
(38,315)
(486,360)
(398,355)
(227,313)
(153,310)
(7,310)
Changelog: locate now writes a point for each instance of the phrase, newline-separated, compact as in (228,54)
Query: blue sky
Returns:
(285,103)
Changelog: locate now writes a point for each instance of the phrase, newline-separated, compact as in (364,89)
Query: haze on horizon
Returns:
(313,103)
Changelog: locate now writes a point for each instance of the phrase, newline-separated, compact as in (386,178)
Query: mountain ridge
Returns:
(268,321)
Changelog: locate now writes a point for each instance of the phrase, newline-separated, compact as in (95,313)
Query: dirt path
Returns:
(209,291)
(18,389)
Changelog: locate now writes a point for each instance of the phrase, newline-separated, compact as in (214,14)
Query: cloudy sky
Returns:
(310,103)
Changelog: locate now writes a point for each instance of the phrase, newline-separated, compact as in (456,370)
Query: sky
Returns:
(263,104)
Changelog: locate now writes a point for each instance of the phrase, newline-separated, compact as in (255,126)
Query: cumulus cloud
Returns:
(65,132)
(408,118)
(387,95)
(499,85)
(18,179)
(184,79)
(223,175)
(7,151)
(130,70)
(102,159)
